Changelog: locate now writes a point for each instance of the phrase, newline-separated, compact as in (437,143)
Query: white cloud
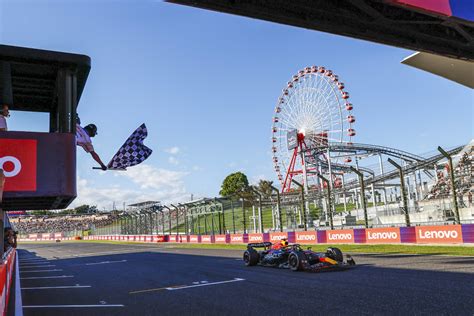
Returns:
(153,184)
(257,178)
(197,168)
(172,160)
(173,150)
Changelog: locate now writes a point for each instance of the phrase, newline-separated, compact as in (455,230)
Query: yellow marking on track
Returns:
(157,289)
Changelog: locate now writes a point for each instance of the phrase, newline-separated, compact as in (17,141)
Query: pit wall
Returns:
(7,271)
(449,234)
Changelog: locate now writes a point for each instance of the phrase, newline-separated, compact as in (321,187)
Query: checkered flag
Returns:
(132,152)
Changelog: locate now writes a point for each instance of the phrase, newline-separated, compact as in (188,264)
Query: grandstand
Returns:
(61,224)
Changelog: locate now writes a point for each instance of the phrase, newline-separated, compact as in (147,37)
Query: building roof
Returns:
(34,73)
(147,203)
(459,71)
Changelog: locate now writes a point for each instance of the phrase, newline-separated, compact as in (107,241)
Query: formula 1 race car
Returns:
(296,258)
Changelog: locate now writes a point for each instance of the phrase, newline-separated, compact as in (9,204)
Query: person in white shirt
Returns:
(3,118)
(83,139)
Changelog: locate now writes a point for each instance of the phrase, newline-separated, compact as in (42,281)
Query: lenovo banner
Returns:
(382,235)
(194,239)
(274,237)
(206,239)
(342,236)
(220,239)
(255,238)
(305,237)
(451,234)
(236,239)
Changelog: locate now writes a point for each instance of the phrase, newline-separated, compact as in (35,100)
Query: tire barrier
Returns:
(7,270)
(448,234)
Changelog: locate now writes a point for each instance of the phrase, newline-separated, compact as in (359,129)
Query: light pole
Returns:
(402,189)
(329,204)
(362,195)
(260,211)
(453,187)
(302,203)
(278,206)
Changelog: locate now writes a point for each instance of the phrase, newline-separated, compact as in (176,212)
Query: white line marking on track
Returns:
(48,277)
(56,287)
(71,306)
(41,271)
(202,284)
(104,262)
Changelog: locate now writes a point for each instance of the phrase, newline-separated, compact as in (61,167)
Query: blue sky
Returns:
(206,84)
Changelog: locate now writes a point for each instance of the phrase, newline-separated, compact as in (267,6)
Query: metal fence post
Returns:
(453,186)
(260,215)
(244,215)
(329,204)
(362,195)
(303,207)
(402,191)
(224,227)
(278,207)
(233,214)
(177,218)
(169,217)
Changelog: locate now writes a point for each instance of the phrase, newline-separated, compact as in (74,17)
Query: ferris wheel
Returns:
(312,111)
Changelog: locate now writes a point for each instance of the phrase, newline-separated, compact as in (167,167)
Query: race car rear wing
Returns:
(260,245)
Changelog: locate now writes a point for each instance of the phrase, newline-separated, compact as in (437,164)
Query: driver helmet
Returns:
(284,242)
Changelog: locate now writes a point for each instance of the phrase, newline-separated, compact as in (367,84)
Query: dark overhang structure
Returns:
(43,81)
(40,168)
(400,23)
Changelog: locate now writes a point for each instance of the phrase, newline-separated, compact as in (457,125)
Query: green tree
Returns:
(83,209)
(265,187)
(233,184)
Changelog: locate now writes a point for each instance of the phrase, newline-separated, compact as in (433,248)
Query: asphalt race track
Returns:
(111,279)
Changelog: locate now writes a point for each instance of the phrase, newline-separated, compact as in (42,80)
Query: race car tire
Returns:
(250,257)
(295,261)
(335,254)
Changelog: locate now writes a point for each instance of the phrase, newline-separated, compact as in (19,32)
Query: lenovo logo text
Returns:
(383,235)
(347,236)
(439,234)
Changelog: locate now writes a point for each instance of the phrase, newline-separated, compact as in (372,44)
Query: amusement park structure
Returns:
(312,139)
(312,132)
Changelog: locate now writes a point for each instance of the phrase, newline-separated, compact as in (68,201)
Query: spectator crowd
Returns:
(57,224)
(464,180)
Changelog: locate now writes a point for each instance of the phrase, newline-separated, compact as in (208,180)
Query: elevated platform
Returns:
(40,168)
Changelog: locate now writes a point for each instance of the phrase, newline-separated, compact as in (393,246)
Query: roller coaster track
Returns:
(341,167)
(360,150)
(406,169)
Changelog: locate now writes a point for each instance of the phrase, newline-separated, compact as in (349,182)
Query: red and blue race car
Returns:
(296,258)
